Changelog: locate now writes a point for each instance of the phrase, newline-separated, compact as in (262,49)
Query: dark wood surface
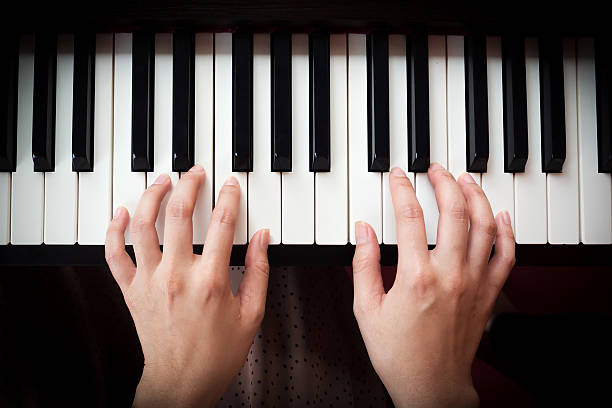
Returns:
(523,16)
(282,255)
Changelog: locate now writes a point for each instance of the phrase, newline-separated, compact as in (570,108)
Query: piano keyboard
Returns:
(309,124)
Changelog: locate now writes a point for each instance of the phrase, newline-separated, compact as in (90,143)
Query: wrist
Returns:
(435,397)
(160,391)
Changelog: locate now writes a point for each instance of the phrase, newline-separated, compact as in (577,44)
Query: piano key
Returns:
(331,188)
(264,201)
(457,133)
(438,128)
(83,96)
(5,208)
(242,112)
(603,66)
(562,188)
(319,101)
(128,185)
(43,126)
(60,217)
(418,102)
(203,148)
(398,129)
(496,183)
(281,101)
(552,110)
(183,94)
(95,188)
(378,101)
(365,203)
(298,199)
(476,104)
(142,61)
(595,187)
(530,185)
(8,104)
(27,192)
(515,104)
(223,130)
(162,128)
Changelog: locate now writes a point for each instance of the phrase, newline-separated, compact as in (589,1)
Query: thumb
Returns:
(254,286)
(367,279)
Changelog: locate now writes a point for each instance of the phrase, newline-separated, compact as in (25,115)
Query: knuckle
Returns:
(401,181)
(509,260)
(224,216)
(422,281)
(139,224)
(456,284)
(485,224)
(173,286)
(410,213)
(179,208)
(458,210)
(362,262)
(111,257)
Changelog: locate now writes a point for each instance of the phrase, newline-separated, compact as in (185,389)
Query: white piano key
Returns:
(27,204)
(595,188)
(128,186)
(61,185)
(437,133)
(331,189)
(562,188)
(497,185)
(530,186)
(264,203)
(298,185)
(203,143)
(398,129)
(365,190)
(162,123)
(223,130)
(95,188)
(5,208)
(457,133)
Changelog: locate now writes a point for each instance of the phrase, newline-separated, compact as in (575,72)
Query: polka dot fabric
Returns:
(308,351)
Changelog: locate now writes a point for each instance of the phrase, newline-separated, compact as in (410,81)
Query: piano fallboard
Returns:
(285,255)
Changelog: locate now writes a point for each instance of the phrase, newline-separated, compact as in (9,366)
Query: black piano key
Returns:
(377,44)
(281,101)
(417,54)
(83,96)
(603,65)
(183,101)
(143,76)
(43,125)
(552,104)
(8,104)
(242,112)
(318,45)
(476,104)
(514,104)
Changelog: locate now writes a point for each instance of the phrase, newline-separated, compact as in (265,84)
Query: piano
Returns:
(308,105)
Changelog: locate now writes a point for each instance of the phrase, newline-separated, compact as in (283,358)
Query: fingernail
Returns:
(117,213)
(467,178)
(435,166)
(506,217)
(161,179)
(264,238)
(398,172)
(361,232)
(231,181)
(195,168)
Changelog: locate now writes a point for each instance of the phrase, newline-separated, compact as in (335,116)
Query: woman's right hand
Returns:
(423,334)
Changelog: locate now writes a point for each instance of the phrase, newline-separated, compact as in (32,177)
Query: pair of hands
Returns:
(421,336)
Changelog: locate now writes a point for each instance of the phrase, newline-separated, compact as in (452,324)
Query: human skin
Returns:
(423,333)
